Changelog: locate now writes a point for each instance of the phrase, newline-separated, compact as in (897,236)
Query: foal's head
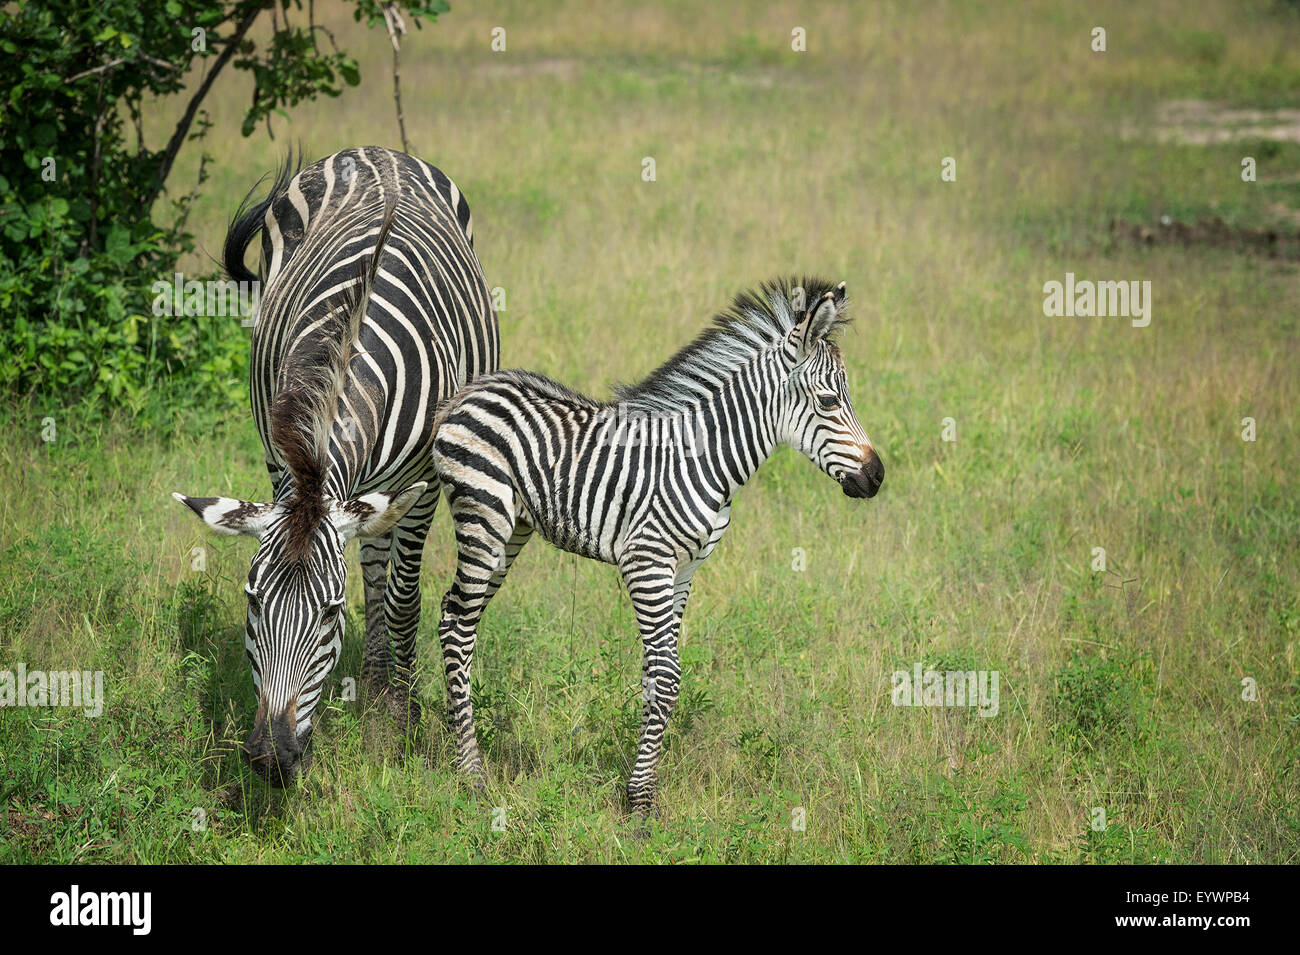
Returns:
(816,417)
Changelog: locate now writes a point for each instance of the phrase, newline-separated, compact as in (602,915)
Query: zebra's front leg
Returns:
(402,605)
(377,661)
(480,569)
(652,591)
(686,570)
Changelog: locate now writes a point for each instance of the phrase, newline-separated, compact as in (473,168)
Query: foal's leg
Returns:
(650,584)
(686,569)
(487,543)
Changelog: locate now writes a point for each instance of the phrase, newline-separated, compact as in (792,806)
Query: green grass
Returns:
(1120,690)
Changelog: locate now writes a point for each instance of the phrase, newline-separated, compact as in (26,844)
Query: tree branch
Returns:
(183,127)
(393,21)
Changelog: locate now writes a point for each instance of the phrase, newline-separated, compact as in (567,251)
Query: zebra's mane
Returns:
(756,322)
(311,381)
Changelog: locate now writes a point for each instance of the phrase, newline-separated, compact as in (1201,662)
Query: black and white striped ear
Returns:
(373,515)
(825,315)
(226,515)
(815,325)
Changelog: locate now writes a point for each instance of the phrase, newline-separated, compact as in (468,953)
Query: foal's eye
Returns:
(254,605)
(828,402)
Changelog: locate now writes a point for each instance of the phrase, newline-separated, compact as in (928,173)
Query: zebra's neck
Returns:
(729,434)
(346,466)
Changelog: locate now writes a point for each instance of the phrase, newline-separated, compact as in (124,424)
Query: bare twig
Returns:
(314,26)
(393,20)
(157,62)
(118,62)
(98,69)
(183,127)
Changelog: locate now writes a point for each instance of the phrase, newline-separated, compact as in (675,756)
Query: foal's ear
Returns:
(815,325)
(825,315)
(373,515)
(226,515)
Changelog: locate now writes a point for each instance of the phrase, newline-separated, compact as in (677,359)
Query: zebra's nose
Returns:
(866,481)
(874,470)
(274,749)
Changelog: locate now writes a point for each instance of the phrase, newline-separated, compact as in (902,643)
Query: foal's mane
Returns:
(311,381)
(755,322)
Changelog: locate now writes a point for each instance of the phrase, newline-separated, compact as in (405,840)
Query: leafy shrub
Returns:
(79,248)
(1096,697)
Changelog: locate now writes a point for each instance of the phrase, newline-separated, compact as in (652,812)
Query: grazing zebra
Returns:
(644,482)
(373,310)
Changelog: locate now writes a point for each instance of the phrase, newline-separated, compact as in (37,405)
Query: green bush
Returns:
(1097,697)
(80,250)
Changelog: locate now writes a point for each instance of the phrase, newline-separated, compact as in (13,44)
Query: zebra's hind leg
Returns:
(402,604)
(377,661)
(651,586)
(485,554)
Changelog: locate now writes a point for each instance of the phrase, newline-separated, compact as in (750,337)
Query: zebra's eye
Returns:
(330,614)
(828,402)
(254,605)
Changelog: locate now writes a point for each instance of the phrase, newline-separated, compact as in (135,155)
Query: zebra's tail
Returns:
(249,218)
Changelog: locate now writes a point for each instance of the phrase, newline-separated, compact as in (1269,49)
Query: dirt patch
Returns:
(1211,233)
(1196,122)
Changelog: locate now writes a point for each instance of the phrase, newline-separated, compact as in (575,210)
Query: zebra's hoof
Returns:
(639,824)
(405,708)
(644,806)
(376,682)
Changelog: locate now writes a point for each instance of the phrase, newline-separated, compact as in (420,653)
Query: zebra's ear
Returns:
(825,315)
(226,515)
(373,515)
(814,326)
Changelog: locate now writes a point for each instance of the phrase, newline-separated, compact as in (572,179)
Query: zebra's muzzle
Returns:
(865,481)
(274,749)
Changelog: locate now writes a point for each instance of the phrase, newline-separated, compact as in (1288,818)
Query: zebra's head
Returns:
(294,630)
(815,415)
(293,633)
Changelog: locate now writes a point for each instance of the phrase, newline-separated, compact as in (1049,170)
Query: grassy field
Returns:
(1120,690)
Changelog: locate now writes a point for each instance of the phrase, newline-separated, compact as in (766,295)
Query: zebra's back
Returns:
(552,447)
(428,326)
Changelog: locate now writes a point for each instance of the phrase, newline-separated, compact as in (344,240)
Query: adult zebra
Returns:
(644,482)
(373,310)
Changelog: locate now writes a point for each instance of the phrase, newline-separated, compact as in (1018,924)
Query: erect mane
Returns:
(756,321)
(311,380)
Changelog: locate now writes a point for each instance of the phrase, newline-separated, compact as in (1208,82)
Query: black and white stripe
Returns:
(644,482)
(373,311)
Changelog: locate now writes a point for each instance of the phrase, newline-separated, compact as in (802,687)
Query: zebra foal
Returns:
(644,482)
